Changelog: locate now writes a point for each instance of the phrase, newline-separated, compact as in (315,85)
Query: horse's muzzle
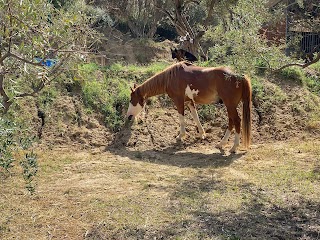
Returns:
(130,117)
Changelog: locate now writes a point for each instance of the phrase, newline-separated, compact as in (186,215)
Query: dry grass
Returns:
(272,192)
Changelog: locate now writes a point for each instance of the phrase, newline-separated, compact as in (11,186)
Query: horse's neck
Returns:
(154,86)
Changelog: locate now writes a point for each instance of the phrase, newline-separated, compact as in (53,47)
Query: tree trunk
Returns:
(5,99)
(189,40)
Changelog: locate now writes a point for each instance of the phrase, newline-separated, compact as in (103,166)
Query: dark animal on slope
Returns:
(183,55)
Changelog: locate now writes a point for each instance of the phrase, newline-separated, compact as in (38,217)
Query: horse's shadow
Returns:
(174,155)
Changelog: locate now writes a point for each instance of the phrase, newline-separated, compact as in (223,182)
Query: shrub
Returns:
(206,112)
(106,94)
(15,139)
(294,74)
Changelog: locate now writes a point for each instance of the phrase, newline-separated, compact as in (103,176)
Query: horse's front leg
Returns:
(195,116)
(180,108)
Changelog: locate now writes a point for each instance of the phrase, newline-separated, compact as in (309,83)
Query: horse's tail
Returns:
(246,111)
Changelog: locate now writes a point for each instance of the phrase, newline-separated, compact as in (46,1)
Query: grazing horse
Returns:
(182,55)
(187,84)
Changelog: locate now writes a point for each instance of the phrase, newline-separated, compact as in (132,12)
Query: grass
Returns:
(107,90)
(299,76)
(271,191)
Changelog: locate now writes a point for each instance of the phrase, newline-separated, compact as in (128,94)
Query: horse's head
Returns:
(136,103)
(174,53)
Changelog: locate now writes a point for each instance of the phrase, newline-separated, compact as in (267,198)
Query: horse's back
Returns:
(213,83)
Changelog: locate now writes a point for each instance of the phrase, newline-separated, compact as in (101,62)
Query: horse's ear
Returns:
(134,87)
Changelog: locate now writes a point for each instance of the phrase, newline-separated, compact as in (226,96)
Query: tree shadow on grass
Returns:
(255,219)
(261,222)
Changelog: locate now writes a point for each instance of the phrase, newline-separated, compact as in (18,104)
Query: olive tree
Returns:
(38,40)
(141,16)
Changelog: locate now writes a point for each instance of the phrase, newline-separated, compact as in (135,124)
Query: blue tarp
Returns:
(46,62)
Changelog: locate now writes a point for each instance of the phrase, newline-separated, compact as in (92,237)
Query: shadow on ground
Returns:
(256,219)
(174,153)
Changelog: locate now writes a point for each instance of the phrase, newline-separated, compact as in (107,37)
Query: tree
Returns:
(302,31)
(141,16)
(36,41)
(192,18)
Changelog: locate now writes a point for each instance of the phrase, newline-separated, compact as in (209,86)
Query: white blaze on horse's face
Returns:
(191,93)
(136,104)
(133,111)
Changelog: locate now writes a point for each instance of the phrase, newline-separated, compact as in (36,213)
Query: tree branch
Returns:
(4,57)
(5,98)
(24,60)
(299,64)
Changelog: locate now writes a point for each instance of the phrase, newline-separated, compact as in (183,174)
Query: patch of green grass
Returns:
(156,67)
(133,72)
(206,112)
(316,66)
(313,84)
(300,76)
(108,92)
(109,97)
(294,74)
(257,88)
(261,66)
(47,97)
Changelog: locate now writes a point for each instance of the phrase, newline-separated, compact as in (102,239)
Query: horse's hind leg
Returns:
(195,116)
(233,114)
(234,120)
(226,135)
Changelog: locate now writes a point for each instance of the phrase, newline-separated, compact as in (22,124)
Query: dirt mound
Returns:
(157,127)
(67,122)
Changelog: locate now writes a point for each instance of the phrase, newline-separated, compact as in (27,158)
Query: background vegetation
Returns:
(47,49)
(70,166)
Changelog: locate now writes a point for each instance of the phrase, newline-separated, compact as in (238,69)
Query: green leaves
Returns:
(29,165)
(14,142)
(237,40)
(7,144)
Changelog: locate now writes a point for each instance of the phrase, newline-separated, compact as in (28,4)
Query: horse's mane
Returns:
(158,83)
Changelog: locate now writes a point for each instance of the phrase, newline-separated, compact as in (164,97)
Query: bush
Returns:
(300,76)
(14,139)
(294,74)
(206,112)
(105,93)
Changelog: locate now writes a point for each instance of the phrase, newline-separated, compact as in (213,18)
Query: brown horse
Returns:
(187,84)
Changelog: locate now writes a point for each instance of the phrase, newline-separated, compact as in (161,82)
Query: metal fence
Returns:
(310,42)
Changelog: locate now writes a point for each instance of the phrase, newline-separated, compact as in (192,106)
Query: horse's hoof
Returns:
(218,146)
(233,150)
(202,136)
(179,137)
